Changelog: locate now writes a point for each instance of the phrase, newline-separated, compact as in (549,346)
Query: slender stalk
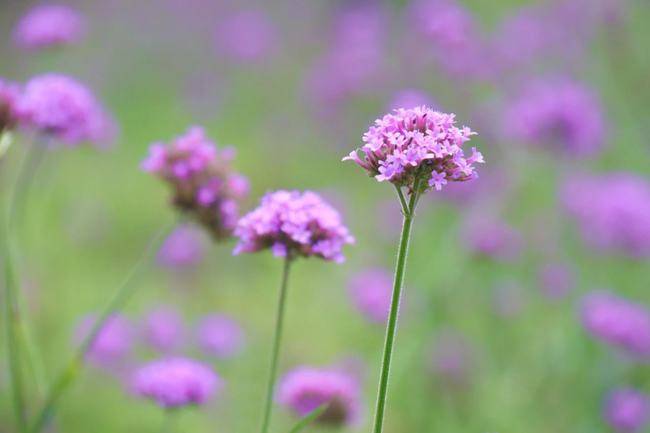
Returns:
(277,339)
(69,373)
(391,326)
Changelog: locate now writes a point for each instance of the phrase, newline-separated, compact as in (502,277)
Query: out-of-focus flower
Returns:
(294,224)
(613,211)
(203,182)
(618,321)
(9,97)
(453,359)
(247,36)
(220,336)
(183,248)
(560,114)
(49,25)
(305,389)
(163,329)
(176,382)
(62,108)
(112,344)
(410,98)
(371,292)
(420,144)
(490,237)
(627,410)
(556,280)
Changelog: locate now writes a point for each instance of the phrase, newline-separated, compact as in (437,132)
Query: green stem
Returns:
(277,339)
(391,326)
(69,373)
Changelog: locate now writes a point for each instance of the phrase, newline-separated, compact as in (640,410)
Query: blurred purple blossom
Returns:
(163,329)
(247,36)
(49,25)
(556,280)
(184,248)
(627,410)
(491,237)
(371,291)
(220,336)
(453,359)
(112,344)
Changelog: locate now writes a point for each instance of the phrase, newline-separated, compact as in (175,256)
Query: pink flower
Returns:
(47,26)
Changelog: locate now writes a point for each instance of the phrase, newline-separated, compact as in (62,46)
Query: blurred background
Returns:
(525,307)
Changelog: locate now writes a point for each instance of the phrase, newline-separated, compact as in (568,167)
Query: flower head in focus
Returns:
(50,25)
(294,224)
(203,182)
(627,410)
(220,336)
(304,389)
(176,382)
(417,145)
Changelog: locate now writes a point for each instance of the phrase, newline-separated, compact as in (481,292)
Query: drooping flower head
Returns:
(612,210)
(305,389)
(417,144)
(176,382)
(9,97)
(561,114)
(46,26)
(371,291)
(183,248)
(294,224)
(627,410)
(163,329)
(220,336)
(619,322)
(113,342)
(62,108)
(203,182)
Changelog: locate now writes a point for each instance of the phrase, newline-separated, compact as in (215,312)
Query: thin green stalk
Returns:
(69,373)
(277,339)
(391,326)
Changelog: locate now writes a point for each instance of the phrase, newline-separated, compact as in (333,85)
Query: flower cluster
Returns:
(627,410)
(163,329)
(292,224)
(613,211)
(62,108)
(202,179)
(371,292)
(9,97)
(618,321)
(47,26)
(176,382)
(305,389)
(559,113)
(220,336)
(417,144)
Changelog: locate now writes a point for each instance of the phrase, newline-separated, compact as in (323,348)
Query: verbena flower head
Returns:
(617,321)
(62,108)
(9,97)
(201,177)
(220,336)
(176,382)
(613,211)
(163,329)
(417,143)
(47,26)
(183,248)
(371,291)
(561,114)
(305,389)
(294,224)
(627,410)
(113,343)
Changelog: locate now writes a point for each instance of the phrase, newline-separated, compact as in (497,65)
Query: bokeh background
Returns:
(491,337)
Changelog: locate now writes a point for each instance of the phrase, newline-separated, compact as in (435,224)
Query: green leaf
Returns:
(5,141)
(309,418)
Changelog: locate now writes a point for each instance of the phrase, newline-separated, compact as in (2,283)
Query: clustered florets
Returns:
(203,181)
(417,144)
(292,224)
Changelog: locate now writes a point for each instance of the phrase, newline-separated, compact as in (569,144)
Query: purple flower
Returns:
(560,114)
(203,182)
(371,292)
(556,280)
(220,336)
(47,26)
(293,224)
(9,97)
(617,321)
(488,236)
(59,106)
(113,342)
(247,36)
(627,410)
(163,329)
(304,389)
(417,143)
(613,211)
(176,382)
(183,248)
